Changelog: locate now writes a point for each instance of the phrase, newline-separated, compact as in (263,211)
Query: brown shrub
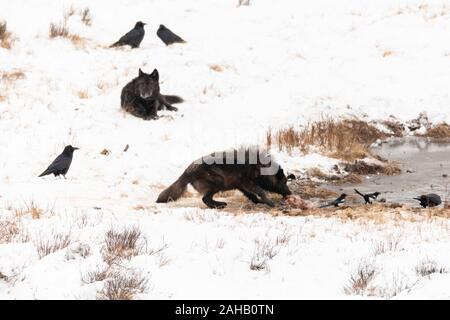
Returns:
(346,139)
(123,286)
(360,280)
(58,242)
(364,168)
(58,30)
(123,244)
(9,229)
(86,16)
(439,131)
(6,38)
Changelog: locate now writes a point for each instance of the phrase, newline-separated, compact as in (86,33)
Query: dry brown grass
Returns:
(347,139)
(121,286)
(57,242)
(86,16)
(10,229)
(427,267)
(12,76)
(98,274)
(58,30)
(387,53)
(439,131)
(83,94)
(33,210)
(61,30)
(126,243)
(360,280)
(364,168)
(216,67)
(264,250)
(397,128)
(6,38)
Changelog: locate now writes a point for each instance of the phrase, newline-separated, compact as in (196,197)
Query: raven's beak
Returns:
(75,148)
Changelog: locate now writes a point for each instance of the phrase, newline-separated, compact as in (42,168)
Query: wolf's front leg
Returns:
(253,188)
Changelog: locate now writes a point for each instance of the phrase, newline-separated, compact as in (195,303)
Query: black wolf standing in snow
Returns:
(248,170)
(167,36)
(133,38)
(141,96)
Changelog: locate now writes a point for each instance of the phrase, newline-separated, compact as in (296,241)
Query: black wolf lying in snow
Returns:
(250,171)
(141,97)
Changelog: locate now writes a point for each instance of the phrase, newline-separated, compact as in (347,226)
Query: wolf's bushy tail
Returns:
(175,191)
(173,99)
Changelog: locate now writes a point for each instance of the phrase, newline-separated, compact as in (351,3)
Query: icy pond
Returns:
(425,168)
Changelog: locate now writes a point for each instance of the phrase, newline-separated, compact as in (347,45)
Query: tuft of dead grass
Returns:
(264,250)
(61,30)
(13,75)
(123,286)
(346,139)
(439,131)
(364,168)
(6,38)
(9,230)
(57,242)
(216,67)
(99,274)
(83,94)
(33,210)
(361,279)
(427,267)
(58,30)
(86,16)
(126,243)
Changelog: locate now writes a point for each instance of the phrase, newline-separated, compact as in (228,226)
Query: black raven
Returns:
(167,36)
(132,38)
(61,164)
(368,196)
(336,203)
(429,200)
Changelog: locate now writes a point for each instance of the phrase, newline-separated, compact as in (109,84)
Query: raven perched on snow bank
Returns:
(167,36)
(61,164)
(132,38)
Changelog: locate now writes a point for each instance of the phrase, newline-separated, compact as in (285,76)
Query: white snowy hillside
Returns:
(242,71)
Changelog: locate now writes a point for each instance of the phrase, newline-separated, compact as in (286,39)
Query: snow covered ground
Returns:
(242,71)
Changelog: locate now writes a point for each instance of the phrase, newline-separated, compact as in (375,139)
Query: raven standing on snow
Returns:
(61,164)
(429,200)
(336,203)
(133,38)
(167,36)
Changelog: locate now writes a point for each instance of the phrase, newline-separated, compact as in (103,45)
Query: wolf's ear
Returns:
(291,177)
(141,73)
(280,174)
(155,75)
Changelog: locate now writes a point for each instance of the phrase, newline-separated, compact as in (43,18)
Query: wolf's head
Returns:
(147,85)
(275,183)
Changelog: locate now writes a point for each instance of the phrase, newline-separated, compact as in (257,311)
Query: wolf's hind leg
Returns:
(208,200)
